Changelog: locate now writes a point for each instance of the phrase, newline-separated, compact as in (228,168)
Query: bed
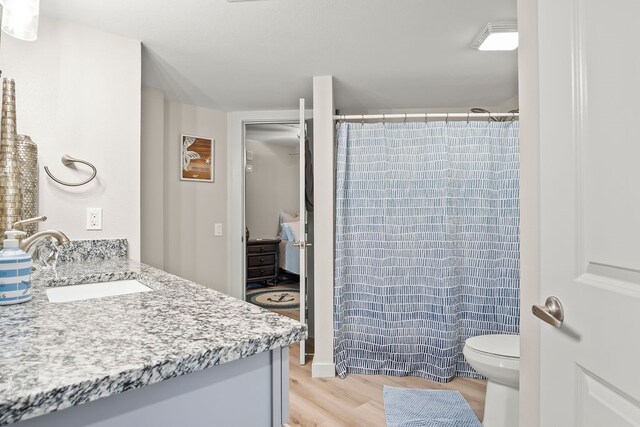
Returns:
(289,259)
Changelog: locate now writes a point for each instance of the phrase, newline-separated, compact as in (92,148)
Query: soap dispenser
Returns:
(15,270)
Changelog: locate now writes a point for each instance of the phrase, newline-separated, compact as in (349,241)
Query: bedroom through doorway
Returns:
(276,233)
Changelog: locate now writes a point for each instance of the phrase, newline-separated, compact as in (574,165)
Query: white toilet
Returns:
(497,357)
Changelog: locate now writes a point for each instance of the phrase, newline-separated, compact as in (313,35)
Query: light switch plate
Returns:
(94,218)
(218,229)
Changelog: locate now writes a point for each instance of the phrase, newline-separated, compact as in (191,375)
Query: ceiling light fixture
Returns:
(20,18)
(497,36)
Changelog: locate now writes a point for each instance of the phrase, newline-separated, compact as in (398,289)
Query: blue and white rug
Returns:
(406,407)
(276,299)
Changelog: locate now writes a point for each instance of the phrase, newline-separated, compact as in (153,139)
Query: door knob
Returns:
(551,312)
(302,244)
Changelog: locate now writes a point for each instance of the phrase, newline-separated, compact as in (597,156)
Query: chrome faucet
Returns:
(26,244)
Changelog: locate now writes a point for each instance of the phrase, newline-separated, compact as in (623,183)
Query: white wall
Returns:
(529,213)
(78,93)
(324,209)
(274,185)
(508,105)
(179,216)
(151,177)
(192,208)
(503,107)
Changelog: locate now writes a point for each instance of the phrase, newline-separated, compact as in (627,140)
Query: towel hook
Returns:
(67,161)
(383,122)
(405,118)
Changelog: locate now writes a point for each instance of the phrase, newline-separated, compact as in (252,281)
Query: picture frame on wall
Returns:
(197,158)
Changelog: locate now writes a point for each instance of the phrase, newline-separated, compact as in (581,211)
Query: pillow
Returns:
(287,217)
(292,231)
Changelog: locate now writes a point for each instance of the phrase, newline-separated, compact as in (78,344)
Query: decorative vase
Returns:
(10,179)
(28,168)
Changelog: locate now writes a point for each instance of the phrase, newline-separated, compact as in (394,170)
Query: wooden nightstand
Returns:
(262,260)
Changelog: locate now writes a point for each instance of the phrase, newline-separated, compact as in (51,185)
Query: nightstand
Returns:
(262,260)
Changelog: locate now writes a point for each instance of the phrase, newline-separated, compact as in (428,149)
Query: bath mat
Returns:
(406,407)
(276,299)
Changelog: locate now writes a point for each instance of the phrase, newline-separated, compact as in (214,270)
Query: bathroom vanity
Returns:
(176,354)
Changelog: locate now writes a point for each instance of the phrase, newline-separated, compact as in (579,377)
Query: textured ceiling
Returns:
(384,54)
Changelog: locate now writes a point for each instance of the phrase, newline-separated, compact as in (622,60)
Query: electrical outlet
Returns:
(94,218)
(218,229)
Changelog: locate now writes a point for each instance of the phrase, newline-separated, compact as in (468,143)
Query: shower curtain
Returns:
(427,248)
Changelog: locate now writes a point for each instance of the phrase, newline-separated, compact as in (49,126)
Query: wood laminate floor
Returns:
(357,399)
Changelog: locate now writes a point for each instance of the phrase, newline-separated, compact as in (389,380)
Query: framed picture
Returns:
(197,157)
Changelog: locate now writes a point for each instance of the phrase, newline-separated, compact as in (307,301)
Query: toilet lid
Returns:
(500,345)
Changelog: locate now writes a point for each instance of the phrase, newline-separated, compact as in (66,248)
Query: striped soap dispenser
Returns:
(15,270)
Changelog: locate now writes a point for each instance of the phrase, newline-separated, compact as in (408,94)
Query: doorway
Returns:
(278,218)
(272,201)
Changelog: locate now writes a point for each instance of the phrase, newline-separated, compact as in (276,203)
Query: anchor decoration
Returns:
(281,298)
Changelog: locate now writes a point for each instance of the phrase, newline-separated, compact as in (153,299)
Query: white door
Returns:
(302,244)
(589,88)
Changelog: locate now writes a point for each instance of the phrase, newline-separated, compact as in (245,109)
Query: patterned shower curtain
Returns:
(427,247)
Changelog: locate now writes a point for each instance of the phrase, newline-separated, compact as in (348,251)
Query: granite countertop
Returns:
(57,355)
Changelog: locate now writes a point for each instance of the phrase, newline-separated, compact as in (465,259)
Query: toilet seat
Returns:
(501,345)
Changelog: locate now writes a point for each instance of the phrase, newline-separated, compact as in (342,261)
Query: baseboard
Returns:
(323,370)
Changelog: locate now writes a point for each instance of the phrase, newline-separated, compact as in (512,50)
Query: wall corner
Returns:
(324,212)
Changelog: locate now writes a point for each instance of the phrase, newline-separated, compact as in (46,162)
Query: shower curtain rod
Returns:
(343,117)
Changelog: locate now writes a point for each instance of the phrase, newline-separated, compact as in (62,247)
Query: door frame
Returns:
(528,95)
(236,163)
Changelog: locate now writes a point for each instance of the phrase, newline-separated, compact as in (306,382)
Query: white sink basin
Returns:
(95,290)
